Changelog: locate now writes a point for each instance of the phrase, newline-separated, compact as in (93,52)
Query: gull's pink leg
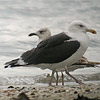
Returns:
(57,78)
(62,78)
(78,81)
(50,83)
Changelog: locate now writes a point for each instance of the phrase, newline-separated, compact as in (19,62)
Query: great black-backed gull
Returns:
(44,34)
(60,50)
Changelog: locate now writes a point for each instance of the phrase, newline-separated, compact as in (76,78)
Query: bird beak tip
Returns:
(31,34)
(92,31)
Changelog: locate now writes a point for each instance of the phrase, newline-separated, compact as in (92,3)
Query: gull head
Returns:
(80,27)
(42,33)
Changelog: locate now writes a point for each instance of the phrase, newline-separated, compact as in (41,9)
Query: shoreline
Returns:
(44,79)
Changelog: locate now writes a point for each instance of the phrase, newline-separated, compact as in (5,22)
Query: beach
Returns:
(19,18)
(90,90)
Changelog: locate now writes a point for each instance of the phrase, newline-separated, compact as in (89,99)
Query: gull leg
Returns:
(77,81)
(57,78)
(50,83)
(62,78)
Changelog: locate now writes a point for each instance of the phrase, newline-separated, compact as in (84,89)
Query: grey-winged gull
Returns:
(43,33)
(60,50)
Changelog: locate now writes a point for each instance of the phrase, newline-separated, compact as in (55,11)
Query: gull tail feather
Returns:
(12,63)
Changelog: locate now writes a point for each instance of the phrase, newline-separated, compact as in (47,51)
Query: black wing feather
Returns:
(48,50)
(54,40)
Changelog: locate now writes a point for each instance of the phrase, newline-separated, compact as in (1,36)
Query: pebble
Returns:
(74,92)
(85,98)
(22,96)
(11,86)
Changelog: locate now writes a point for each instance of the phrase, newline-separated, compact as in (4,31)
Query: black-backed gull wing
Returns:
(53,50)
(54,40)
(27,54)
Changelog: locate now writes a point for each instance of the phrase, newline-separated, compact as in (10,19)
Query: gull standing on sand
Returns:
(43,34)
(60,51)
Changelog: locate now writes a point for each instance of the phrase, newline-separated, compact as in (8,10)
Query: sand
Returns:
(39,92)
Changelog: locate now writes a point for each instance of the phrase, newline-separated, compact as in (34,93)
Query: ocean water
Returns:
(18,18)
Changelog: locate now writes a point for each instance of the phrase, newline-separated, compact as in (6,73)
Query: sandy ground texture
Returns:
(89,91)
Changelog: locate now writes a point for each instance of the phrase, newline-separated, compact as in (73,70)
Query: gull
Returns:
(60,51)
(42,33)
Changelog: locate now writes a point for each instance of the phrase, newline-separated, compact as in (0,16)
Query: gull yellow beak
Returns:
(92,31)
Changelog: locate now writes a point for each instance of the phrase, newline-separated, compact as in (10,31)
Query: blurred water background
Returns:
(18,18)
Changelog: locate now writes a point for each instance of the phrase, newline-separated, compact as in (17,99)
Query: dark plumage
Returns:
(47,51)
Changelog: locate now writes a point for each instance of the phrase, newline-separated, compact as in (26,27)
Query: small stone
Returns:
(98,88)
(11,86)
(33,88)
(87,90)
(85,98)
(32,93)
(57,91)
(48,95)
(56,99)
(23,96)
(63,91)
(75,92)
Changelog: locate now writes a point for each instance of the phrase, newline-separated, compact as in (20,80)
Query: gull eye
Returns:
(41,32)
(81,25)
